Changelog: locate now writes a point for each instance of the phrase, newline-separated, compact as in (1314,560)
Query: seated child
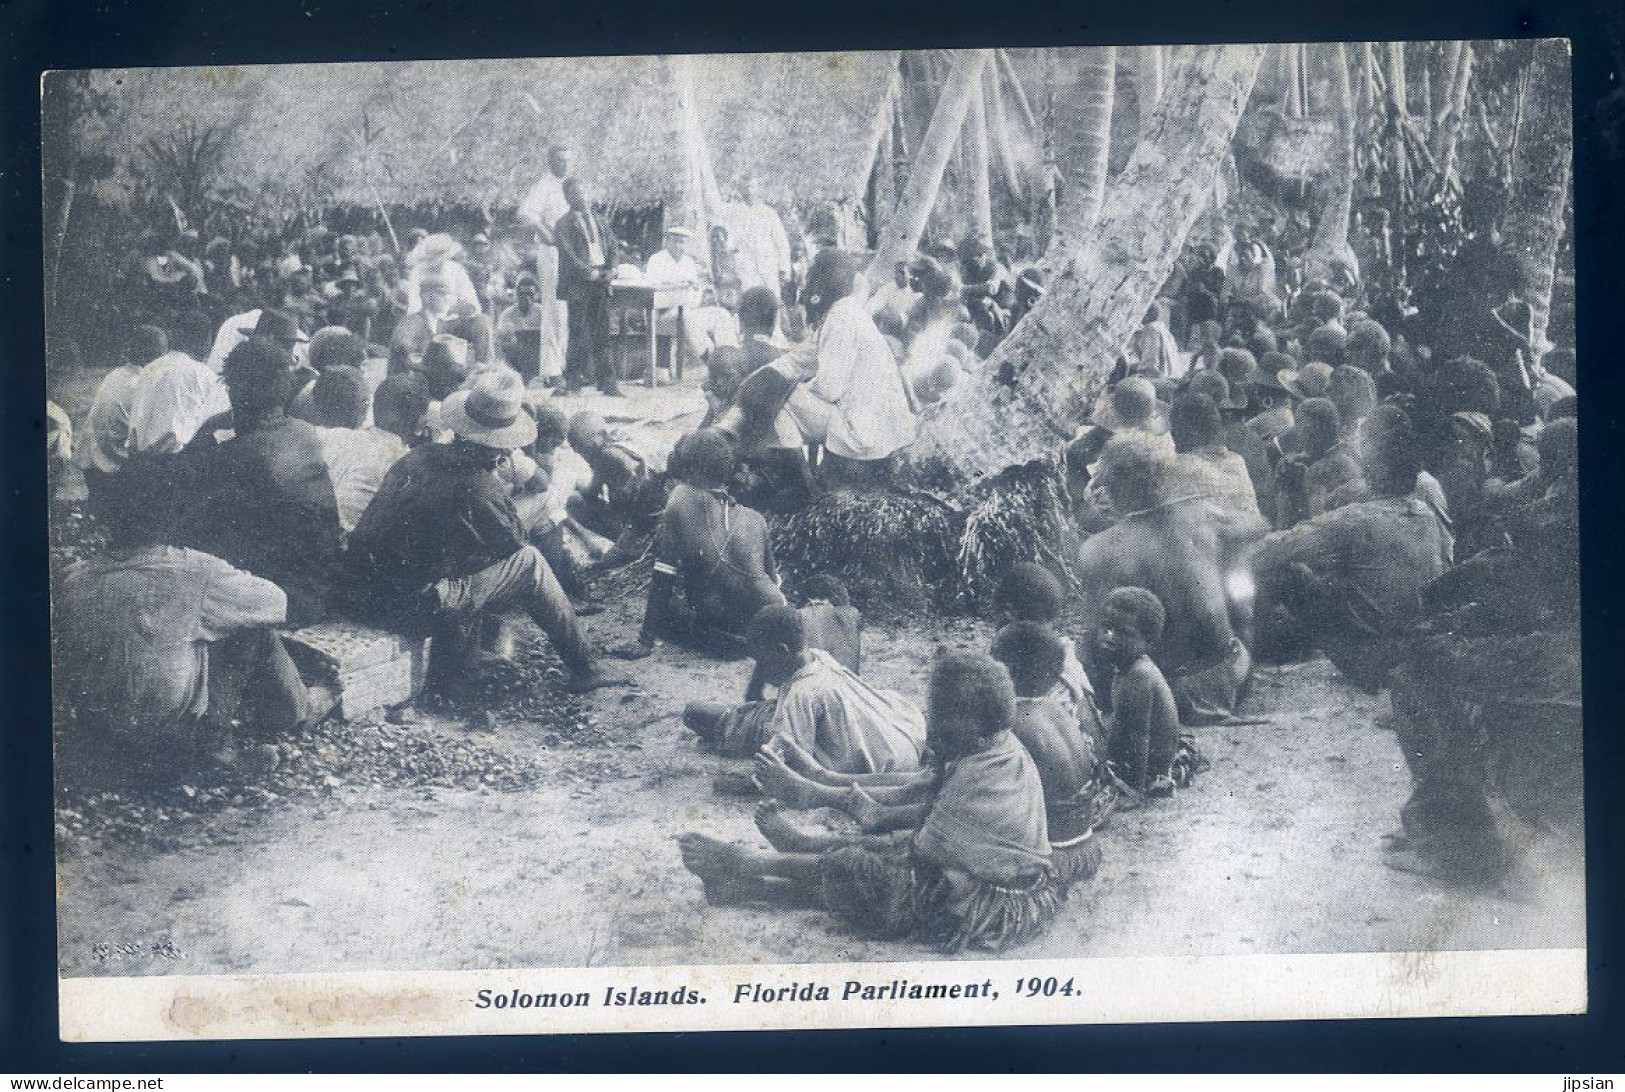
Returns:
(624,497)
(718,548)
(1144,748)
(1075,800)
(1031,593)
(976,874)
(848,725)
(833,623)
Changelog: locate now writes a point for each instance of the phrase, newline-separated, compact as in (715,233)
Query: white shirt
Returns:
(762,250)
(357,460)
(859,376)
(665,268)
(230,336)
(105,439)
(173,396)
(464,300)
(544,206)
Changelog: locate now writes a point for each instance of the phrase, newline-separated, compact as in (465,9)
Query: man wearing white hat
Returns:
(703,327)
(441,544)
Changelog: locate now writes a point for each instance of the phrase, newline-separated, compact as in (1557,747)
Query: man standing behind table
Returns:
(761,248)
(542,209)
(586,262)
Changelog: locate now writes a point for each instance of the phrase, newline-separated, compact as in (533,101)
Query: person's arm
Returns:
(234,600)
(1131,728)
(494,521)
(662,583)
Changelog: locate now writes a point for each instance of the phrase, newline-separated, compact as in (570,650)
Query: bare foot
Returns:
(780,832)
(723,869)
(780,782)
(797,757)
(863,808)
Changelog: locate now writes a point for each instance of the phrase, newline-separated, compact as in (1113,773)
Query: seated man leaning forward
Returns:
(975,874)
(718,548)
(845,723)
(441,544)
(1352,579)
(1180,549)
(163,649)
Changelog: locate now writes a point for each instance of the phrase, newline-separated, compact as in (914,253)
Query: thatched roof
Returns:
(478,131)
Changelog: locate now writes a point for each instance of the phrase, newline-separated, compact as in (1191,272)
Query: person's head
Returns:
(277,327)
(1194,422)
(1325,344)
(1131,404)
(709,459)
(399,406)
(1130,625)
(147,507)
(551,427)
(1367,346)
(777,639)
(339,397)
(1029,593)
(446,363)
(824,588)
(758,311)
(259,380)
(1212,385)
(588,434)
(525,292)
(677,240)
(829,280)
(575,195)
(1325,306)
(435,292)
(1471,386)
(1390,451)
(489,412)
(559,161)
(1559,449)
(193,333)
(1261,339)
(144,345)
(1316,423)
(1133,473)
(336,347)
(1034,656)
(970,701)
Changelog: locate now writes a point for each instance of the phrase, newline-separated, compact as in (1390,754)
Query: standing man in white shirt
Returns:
(542,208)
(761,248)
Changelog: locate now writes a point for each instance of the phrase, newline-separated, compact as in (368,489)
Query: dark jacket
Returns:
(570,234)
(264,502)
(439,514)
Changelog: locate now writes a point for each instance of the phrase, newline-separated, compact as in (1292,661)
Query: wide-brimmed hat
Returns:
(490,411)
(1212,383)
(1313,380)
(276,325)
(289,264)
(1131,403)
(438,247)
(679,230)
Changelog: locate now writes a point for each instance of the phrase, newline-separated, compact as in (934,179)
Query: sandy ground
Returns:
(1276,849)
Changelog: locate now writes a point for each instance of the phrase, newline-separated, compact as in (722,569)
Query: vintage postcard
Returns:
(815,540)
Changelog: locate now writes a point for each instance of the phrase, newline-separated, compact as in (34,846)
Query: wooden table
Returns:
(627,296)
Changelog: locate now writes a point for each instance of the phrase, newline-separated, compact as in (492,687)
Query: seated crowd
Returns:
(1293,479)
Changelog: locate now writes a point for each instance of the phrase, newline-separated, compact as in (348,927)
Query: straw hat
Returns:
(438,247)
(490,412)
(1310,381)
(276,325)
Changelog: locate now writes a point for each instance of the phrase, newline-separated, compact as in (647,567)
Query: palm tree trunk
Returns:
(1455,117)
(1148,80)
(1540,173)
(1083,129)
(902,234)
(1043,377)
(978,167)
(1331,240)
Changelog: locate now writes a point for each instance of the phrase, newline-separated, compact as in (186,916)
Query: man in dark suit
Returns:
(586,258)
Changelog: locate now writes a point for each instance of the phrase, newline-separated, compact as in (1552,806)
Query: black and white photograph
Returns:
(750,540)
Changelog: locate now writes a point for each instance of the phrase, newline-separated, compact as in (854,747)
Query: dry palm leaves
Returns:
(1021,514)
(893,549)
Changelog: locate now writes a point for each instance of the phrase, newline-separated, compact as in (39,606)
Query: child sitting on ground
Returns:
(1031,593)
(833,623)
(1075,799)
(975,874)
(1145,751)
(846,724)
(625,495)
